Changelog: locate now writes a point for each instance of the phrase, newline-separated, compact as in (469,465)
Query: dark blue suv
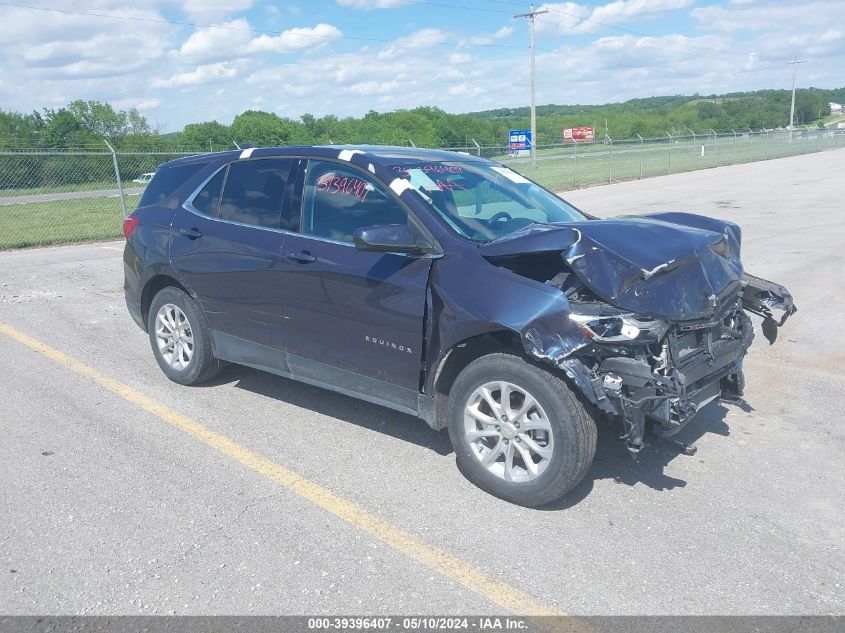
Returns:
(448,287)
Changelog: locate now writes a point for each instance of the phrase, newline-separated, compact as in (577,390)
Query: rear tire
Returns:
(502,403)
(180,338)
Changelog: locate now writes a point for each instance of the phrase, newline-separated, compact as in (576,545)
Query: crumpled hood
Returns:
(676,266)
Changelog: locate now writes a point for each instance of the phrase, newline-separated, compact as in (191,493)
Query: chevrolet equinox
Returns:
(449,287)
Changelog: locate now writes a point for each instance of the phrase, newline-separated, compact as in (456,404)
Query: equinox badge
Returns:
(388,344)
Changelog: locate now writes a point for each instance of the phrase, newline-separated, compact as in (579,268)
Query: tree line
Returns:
(85,124)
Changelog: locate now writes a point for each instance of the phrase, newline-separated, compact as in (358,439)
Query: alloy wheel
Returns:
(508,431)
(174,336)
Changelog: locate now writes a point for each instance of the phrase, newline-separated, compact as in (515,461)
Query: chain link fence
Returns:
(573,165)
(52,197)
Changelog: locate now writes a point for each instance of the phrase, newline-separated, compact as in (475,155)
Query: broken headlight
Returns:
(618,328)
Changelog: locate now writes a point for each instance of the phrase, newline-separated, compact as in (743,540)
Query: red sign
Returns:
(579,135)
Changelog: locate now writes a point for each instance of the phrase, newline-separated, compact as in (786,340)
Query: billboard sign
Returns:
(519,142)
(579,135)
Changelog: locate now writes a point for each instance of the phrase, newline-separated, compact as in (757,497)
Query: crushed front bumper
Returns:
(700,362)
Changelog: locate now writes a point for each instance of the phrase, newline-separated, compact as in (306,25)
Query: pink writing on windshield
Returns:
(428,169)
(345,186)
(449,185)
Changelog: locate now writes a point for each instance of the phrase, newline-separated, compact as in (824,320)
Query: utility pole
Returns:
(531,15)
(794,63)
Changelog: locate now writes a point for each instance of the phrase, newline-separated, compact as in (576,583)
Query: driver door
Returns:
(353,319)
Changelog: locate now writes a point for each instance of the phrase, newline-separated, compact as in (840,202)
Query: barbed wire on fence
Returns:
(70,196)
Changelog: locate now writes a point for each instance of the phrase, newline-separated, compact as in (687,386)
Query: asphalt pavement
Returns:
(124,493)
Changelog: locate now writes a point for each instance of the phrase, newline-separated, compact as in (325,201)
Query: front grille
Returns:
(706,351)
(707,341)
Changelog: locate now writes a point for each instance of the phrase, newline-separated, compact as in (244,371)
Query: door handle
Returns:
(303,258)
(192,233)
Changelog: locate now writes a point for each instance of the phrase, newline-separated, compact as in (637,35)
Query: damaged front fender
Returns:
(553,338)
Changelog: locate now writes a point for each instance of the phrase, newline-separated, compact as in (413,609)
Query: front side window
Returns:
(484,201)
(337,200)
(254,191)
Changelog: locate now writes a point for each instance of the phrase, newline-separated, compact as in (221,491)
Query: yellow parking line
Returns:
(114,248)
(498,592)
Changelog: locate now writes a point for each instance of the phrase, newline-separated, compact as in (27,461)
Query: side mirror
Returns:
(388,238)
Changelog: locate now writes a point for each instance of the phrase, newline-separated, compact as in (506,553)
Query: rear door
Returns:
(225,248)
(354,319)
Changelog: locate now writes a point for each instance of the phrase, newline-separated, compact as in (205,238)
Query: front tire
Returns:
(179,336)
(518,431)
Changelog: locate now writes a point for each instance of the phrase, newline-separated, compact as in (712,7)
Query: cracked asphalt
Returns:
(107,509)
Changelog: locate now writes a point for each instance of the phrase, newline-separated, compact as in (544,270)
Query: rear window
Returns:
(167,180)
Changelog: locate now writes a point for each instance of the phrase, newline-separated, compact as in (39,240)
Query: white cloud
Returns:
(206,44)
(395,76)
(502,33)
(779,30)
(562,17)
(669,47)
(419,40)
(368,5)
(670,64)
(207,73)
(812,45)
(460,58)
(627,10)
(72,48)
(571,17)
(464,89)
(139,104)
(296,39)
(235,39)
(367,88)
(769,17)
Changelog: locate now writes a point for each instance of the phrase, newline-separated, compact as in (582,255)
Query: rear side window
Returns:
(168,179)
(254,192)
(207,201)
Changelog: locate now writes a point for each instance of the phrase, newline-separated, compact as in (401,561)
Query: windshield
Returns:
(484,201)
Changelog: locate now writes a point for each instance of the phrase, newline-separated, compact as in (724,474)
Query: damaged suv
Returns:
(451,288)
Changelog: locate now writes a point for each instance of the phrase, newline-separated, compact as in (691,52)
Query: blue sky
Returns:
(181,61)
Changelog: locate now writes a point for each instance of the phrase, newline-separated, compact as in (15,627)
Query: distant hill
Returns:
(654,116)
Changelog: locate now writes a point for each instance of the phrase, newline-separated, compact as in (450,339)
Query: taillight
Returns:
(129,225)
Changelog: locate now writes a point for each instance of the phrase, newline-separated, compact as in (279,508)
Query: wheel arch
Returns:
(571,371)
(155,284)
(462,354)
